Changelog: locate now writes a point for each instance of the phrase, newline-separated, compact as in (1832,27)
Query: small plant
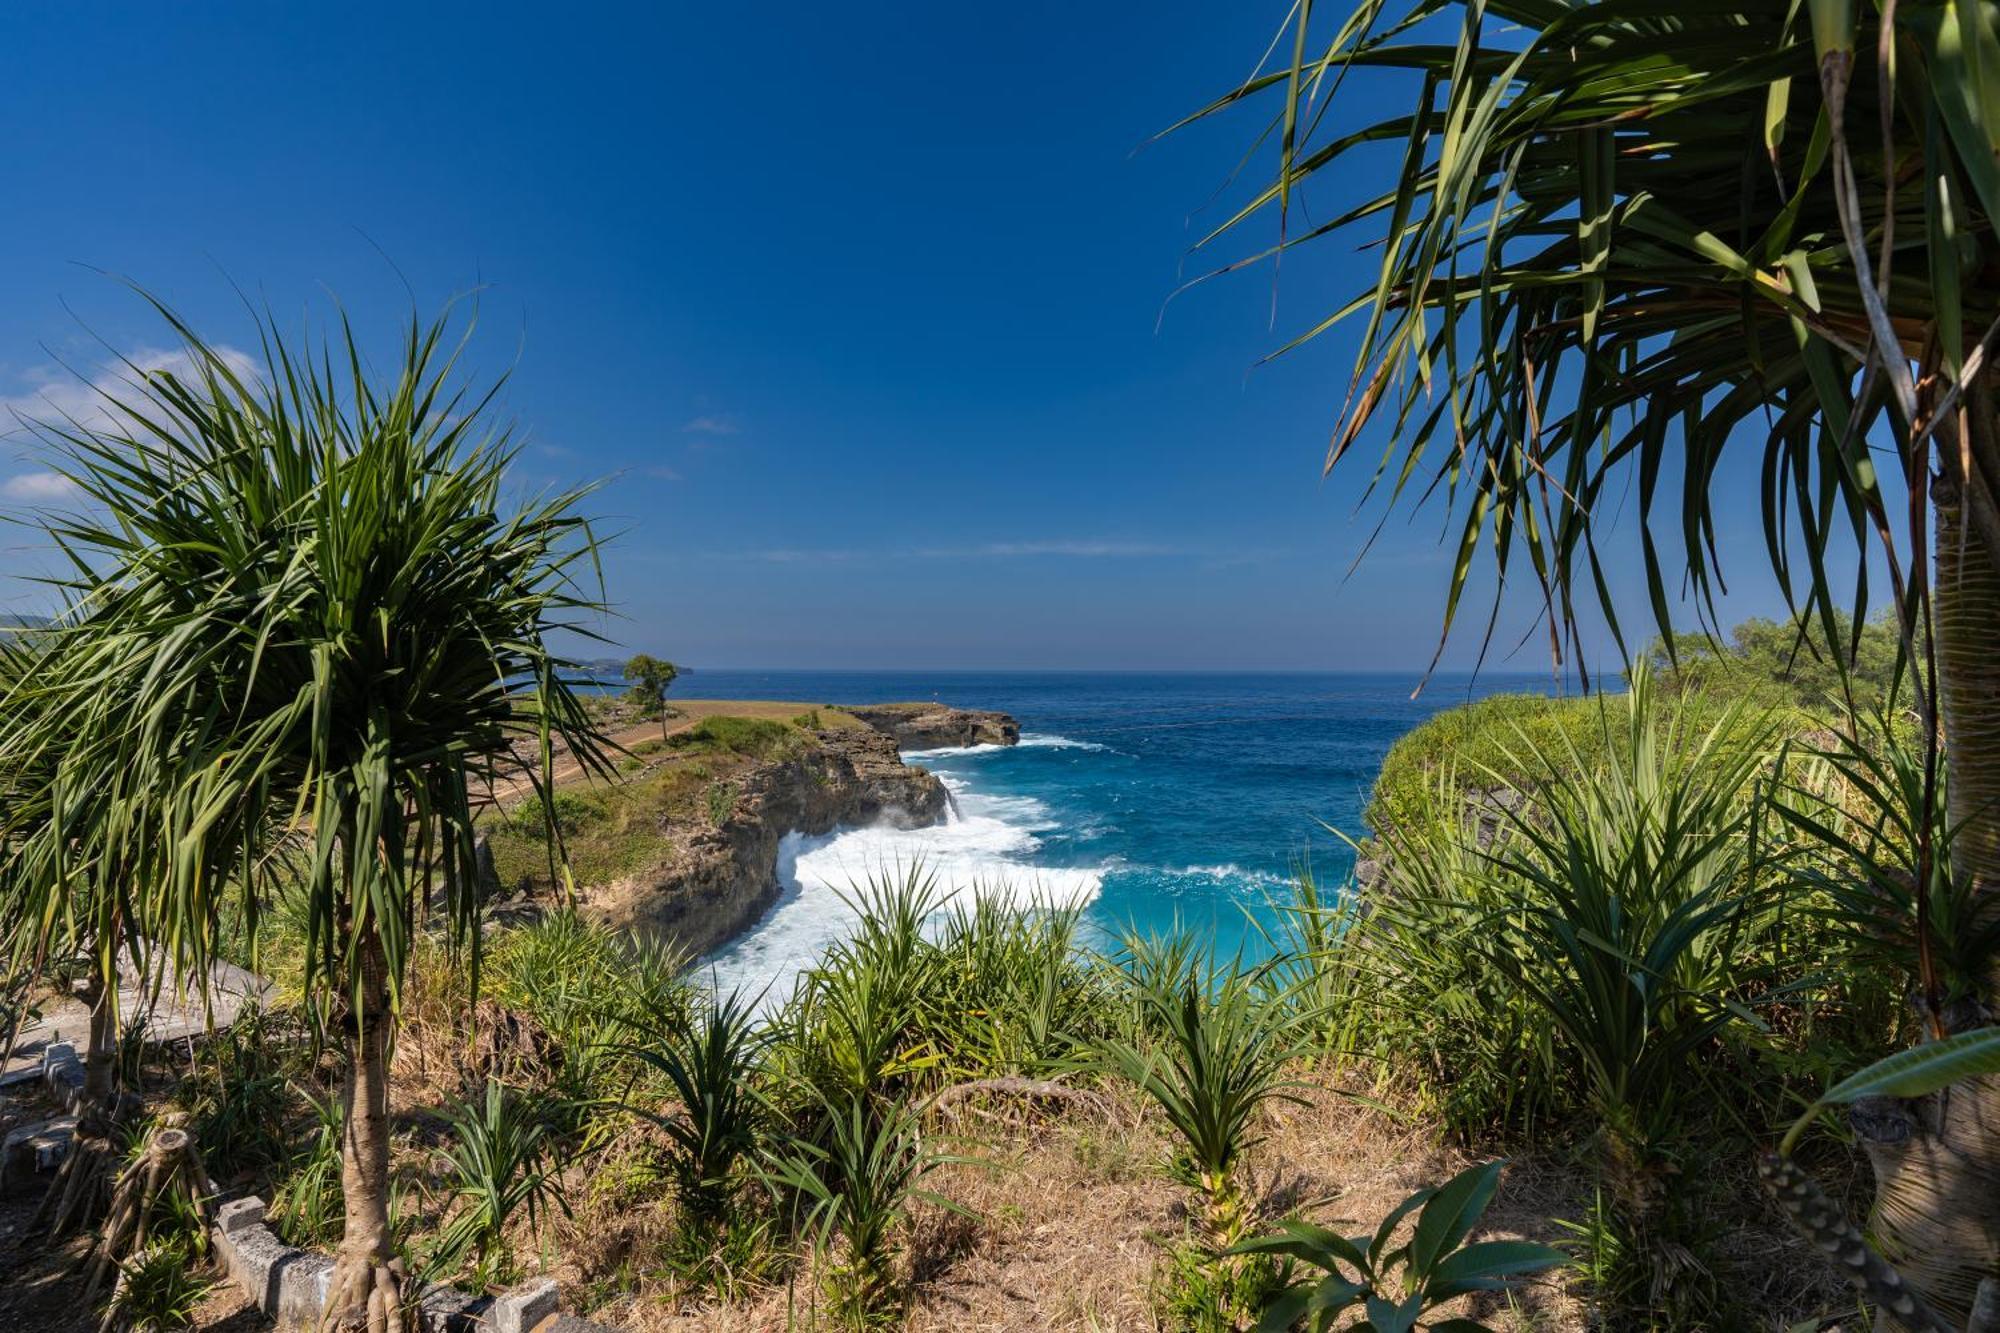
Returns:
(1397,1286)
(240,1102)
(499,1166)
(709,1062)
(157,1290)
(307,1205)
(1211,1051)
(860,1184)
(721,800)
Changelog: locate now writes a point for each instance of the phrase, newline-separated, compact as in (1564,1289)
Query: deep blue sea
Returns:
(1151,798)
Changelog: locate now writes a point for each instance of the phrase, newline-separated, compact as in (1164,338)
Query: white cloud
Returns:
(62,398)
(662,473)
(37,486)
(716,424)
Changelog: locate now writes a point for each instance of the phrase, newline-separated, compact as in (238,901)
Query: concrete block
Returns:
(37,1147)
(525,1309)
(239,1215)
(442,1309)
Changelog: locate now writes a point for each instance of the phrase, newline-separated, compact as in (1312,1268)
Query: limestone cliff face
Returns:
(934,726)
(718,876)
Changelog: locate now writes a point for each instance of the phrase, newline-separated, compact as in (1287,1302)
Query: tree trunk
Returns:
(1937,1159)
(365,1291)
(83,1184)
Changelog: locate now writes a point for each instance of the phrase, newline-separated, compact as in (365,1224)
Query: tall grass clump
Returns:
(499,1166)
(1212,1050)
(710,1061)
(856,1183)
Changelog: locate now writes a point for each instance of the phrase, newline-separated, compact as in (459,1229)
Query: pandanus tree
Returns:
(66,850)
(1632,254)
(311,629)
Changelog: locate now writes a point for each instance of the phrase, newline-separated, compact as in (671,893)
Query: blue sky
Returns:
(855,306)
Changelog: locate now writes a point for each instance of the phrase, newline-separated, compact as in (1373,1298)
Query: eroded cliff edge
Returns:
(685,848)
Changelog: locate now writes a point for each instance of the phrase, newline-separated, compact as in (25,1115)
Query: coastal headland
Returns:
(683,844)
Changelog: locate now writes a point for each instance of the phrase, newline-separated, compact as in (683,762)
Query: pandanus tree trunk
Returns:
(1937,1159)
(365,1292)
(80,1188)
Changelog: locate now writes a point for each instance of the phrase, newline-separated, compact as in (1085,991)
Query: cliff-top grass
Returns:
(682,778)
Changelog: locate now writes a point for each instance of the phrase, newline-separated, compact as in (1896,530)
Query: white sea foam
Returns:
(983,846)
(1230,873)
(1032,741)
(1037,741)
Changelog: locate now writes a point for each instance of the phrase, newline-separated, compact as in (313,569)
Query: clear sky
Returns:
(854,305)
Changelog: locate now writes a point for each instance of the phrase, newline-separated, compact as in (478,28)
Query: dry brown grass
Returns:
(1075,1218)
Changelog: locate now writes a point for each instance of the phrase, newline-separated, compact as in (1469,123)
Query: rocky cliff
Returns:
(717,875)
(935,726)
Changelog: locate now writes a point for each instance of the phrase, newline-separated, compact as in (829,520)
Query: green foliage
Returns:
(1015,991)
(1476,745)
(1396,1285)
(1199,1292)
(1859,804)
(305,595)
(1792,663)
(753,737)
(1211,1051)
(158,1289)
(1632,930)
(858,1185)
(565,813)
(240,1097)
(306,1206)
(1545,328)
(591,987)
(651,678)
(498,1166)
(709,1059)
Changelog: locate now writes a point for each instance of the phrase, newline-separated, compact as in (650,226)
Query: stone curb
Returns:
(289,1285)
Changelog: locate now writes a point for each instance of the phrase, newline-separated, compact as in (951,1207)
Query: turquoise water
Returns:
(1151,799)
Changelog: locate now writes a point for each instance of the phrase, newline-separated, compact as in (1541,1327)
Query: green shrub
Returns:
(306,1207)
(157,1290)
(710,1062)
(858,1185)
(754,737)
(1396,1278)
(1212,1052)
(573,813)
(498,1166)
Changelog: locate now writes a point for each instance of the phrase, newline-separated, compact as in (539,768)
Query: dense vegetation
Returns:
(1627,951)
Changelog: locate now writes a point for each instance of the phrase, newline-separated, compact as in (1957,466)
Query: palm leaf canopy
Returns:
(302,619)
(1615,244)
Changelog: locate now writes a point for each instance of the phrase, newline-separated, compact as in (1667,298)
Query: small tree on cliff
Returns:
(651,678)
(318,624)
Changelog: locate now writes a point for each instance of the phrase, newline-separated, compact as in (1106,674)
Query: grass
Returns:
(665,790)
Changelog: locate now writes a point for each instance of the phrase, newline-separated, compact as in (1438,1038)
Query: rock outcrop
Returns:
(935,726)
(719,876)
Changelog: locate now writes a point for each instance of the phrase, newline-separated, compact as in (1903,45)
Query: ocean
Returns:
(1150,799)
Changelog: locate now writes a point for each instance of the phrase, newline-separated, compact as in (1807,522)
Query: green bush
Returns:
(754,737)
(499,1165)
(573,813)
(158,1290)
(1480,744)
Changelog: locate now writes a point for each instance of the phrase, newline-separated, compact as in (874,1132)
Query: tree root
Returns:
(1025,1089)
(365,1293)
(170,1164)
(77,1196)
